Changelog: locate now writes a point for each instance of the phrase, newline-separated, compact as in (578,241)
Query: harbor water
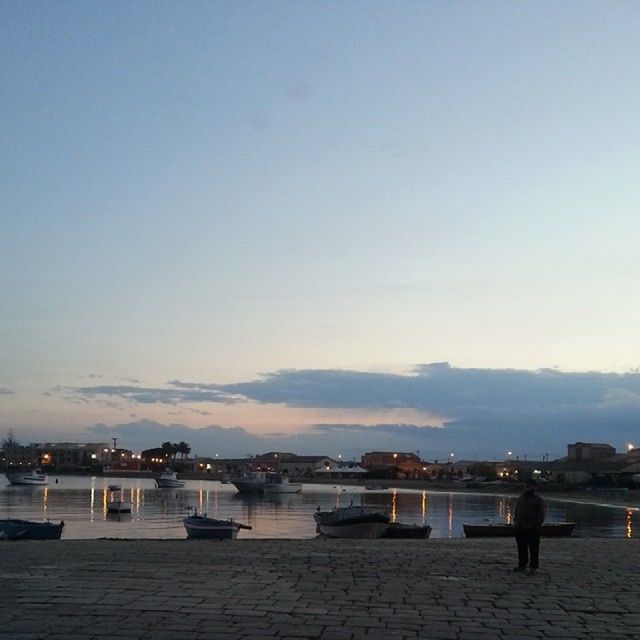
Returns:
(157,513)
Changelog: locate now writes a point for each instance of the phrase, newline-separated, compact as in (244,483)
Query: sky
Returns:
(321,227)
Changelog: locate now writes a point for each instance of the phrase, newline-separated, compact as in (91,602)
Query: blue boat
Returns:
(29,530)
(199,526)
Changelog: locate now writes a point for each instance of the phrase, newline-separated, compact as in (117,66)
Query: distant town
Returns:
(586,463)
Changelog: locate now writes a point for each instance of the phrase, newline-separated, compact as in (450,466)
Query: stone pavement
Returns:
(306,589)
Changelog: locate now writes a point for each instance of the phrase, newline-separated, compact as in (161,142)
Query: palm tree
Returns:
(183,449)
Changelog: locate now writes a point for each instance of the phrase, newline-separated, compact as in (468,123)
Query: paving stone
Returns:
(318,590)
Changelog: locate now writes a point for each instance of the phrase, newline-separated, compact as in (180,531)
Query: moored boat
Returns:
(265,482)
(30,530)
(281,484)
(32,477)
(352,522)
(202,527)
(502,530)
(401,530)
(118,506)
(169,480)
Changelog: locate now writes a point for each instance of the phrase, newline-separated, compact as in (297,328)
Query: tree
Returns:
(183,449)
(168,449)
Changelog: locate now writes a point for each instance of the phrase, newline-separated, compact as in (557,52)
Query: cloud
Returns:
(484,410)
(5,392)
(150,395)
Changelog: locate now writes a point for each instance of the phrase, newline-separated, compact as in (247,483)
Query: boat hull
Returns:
(118,506)
(549,530)
(412,531)
(169,484)
(363,530)
(29,530)
(27,479)
(202,528)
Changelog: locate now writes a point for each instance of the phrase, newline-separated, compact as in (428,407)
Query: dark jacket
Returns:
(529,512)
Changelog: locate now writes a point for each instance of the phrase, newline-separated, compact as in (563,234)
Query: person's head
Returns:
(530,485)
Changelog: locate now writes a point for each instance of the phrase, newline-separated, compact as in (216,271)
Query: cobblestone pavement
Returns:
(305,589)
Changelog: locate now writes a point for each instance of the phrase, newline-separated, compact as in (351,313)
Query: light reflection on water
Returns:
(157,513)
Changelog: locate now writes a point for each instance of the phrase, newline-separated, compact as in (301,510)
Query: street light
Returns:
(509,454)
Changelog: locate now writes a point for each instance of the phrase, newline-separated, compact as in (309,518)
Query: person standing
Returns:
(528,519)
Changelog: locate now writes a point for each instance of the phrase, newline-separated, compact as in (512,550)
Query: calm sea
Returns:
(157,513)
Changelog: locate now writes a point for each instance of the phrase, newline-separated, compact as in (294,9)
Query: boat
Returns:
(30,530)
(33,477)
(376,487)
(401,530)
(114,487)
(352,522)
(169,480)
(502,530)
(265,482)
(281,485)
(202,527)
(118,506)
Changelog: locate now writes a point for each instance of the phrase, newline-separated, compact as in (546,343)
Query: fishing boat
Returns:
(281,484)
(30,530)
(32,477)
(401,530)
(202,527)
(169,480)
(352,522)
(265,482)
(502,530)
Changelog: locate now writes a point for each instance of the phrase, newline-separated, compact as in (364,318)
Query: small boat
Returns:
(114,487)
(352,522)
(202,527)
(502,530)
(118,506)
(33,477)
(29,530)
(376,487)
(400,530)
(169,480)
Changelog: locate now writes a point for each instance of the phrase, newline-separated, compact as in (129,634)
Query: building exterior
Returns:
(583,451)
(378,459)
(300,466)
(59,456)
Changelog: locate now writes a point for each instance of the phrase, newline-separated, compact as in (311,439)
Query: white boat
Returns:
(169,480)
(265,482)
(352,522)
(33,477)
(281,485)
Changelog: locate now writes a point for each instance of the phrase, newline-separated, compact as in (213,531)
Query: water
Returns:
(157,513)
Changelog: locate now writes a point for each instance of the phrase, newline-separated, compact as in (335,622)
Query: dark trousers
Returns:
(528,541)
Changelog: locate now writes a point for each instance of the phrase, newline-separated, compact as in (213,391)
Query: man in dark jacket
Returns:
(528,519)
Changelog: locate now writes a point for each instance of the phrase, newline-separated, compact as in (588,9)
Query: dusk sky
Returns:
(321,227)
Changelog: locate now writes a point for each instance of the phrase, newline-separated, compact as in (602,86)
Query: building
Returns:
(583,451)
(300,466)
(379,459)
(59,456)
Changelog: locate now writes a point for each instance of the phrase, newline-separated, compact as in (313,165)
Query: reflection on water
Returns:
(157,513)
